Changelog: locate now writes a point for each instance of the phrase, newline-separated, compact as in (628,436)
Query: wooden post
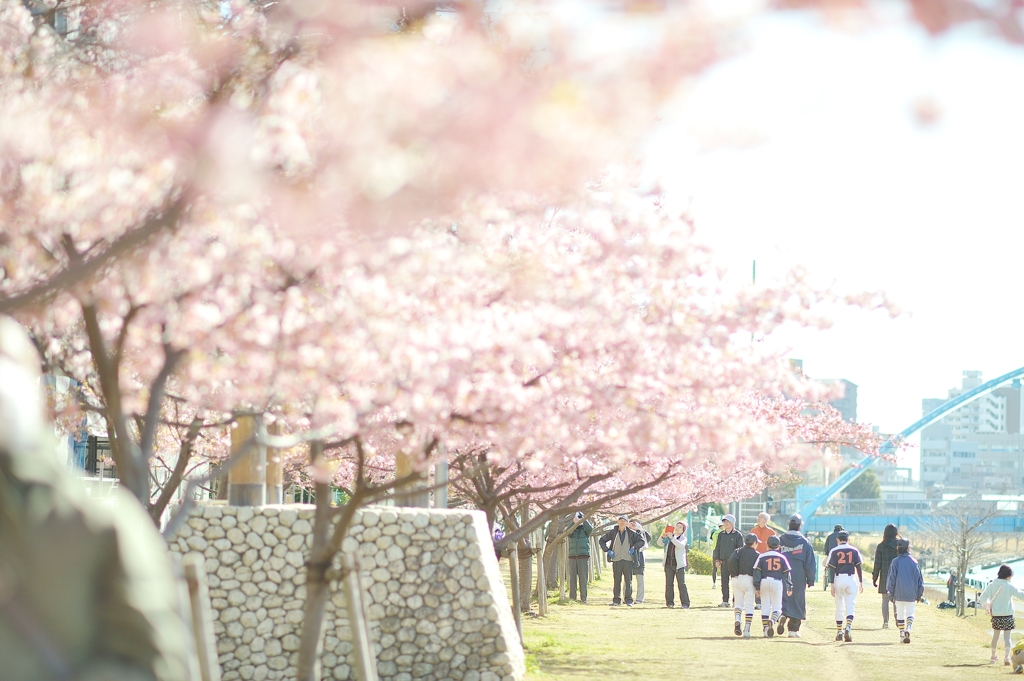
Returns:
(358,622)
(561,572)
(247,479)
(184,607)
(565,566)
(542,586)
(441,476)
(202,617)
(513,575)
(275,469)
(412,495)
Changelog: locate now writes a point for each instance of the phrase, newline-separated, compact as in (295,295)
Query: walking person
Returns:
(639,560)
(712,541)
(905,586)
(845,561)
(579,556)
(998,599)
(728,541)
(800,554)
(771,574)
(741,564)
(885,553)
(951,587)
(675,565)
(621,544)
(830,543)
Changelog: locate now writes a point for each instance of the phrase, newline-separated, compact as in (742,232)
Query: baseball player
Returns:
(844,561)
(771,572)
(741,564)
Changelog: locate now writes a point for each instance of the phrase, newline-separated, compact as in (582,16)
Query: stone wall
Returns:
(437,603)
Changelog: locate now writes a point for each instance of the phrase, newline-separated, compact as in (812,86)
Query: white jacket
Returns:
(680,544)
(1001,593)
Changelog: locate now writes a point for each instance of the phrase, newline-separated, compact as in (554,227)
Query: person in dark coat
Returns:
(639,560)
(795,547)
(579,556)
(885,553)
(622,544)
(728,541)
(830,543)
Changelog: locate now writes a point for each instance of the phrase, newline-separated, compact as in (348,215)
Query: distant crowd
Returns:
(771,572)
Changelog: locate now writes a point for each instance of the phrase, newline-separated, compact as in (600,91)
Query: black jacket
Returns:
(725,545)
(885,553)
(742,560)
(831,542)
(636,542)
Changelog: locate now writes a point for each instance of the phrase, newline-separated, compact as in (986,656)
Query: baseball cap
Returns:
(750,539)
(843,535)
(773,542)
(622,517)
(837,528)
(902,545)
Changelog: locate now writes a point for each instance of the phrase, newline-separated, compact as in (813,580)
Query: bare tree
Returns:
(958,527)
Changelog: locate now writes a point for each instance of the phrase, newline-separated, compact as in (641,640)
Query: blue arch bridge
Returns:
(822,511)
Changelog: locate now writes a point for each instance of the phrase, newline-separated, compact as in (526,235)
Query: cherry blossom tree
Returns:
(372,223)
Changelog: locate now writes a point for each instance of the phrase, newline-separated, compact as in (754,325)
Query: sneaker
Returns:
(584,601)
(846,635)
(724,604)
(640,602)
(767,632)
(782,626)
(669,605)
(1006,662)
(906,637)
(794,634)
(746,633)
(629,605)
(992,660)
(770,629)
(885,625)
(737,630)
(1019,669)
(686,607)
(615,605)
(839,635)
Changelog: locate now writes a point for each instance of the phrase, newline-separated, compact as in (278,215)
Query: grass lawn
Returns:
(577,641)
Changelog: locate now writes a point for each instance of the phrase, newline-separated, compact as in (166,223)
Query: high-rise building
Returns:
(978,446)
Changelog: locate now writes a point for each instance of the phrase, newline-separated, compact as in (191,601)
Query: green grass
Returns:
(577,641)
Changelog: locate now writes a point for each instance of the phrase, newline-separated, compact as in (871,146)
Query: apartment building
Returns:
(978,446)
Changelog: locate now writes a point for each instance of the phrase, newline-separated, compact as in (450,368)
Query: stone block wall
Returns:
(437,603)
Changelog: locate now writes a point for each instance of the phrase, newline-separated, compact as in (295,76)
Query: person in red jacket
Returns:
(762,531)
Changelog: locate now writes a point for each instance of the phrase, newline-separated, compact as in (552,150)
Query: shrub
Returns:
(700,562)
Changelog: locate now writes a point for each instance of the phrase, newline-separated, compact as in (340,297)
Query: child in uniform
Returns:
(771,572)
(844,561)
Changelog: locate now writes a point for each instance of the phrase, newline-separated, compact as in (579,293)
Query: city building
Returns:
(976,447)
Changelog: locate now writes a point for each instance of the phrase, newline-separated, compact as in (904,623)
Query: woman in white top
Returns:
(998,596)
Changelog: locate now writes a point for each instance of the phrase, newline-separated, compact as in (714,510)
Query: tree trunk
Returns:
(542,586)
(317,587)
(513,573)
(525,560)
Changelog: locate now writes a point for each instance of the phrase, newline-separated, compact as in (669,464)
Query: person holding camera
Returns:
(675,563)
(579,556)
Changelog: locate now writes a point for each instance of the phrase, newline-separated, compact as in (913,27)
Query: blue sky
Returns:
(805,150)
